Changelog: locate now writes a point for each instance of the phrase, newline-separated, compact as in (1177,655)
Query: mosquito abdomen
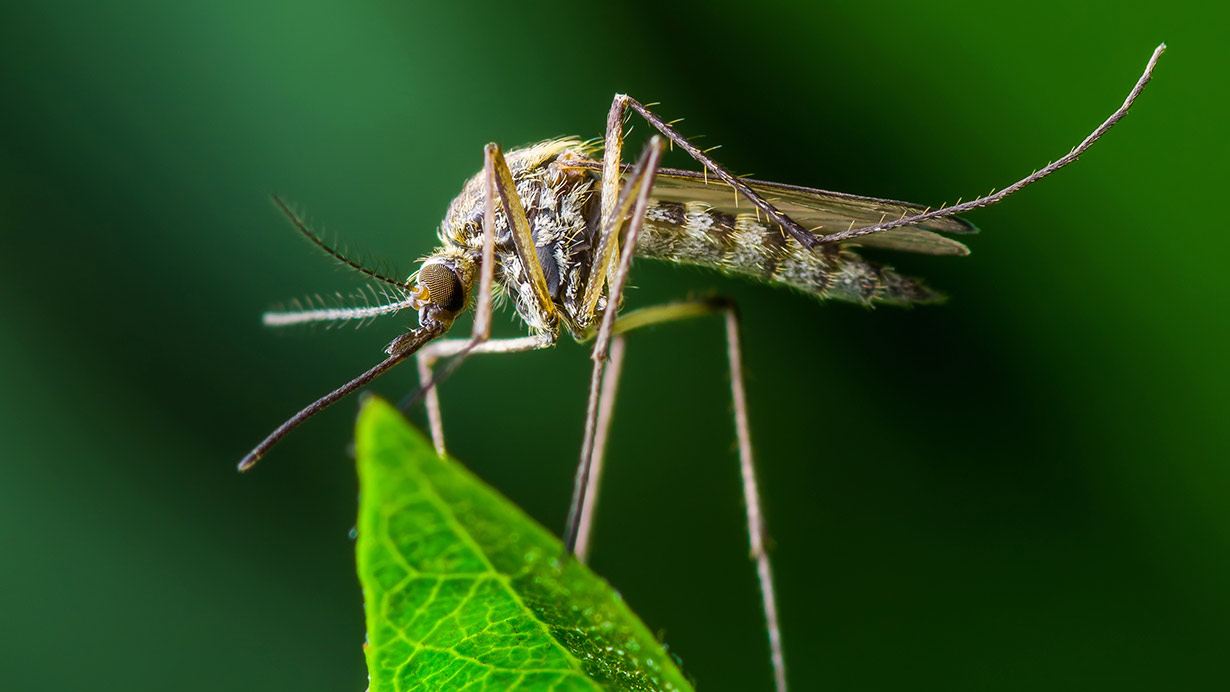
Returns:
(743,245)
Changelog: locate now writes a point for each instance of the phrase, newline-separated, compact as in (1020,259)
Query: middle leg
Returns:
(498,181)
(635,194)
(757,538)
(444,349)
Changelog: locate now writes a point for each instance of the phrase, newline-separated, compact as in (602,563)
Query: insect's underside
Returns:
(556,230)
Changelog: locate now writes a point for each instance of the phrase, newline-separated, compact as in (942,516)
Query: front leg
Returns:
(443,349)
(498,181)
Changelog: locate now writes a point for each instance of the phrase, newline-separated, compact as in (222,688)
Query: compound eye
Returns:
(443,287)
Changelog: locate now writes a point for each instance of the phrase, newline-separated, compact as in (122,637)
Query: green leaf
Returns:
(464,591)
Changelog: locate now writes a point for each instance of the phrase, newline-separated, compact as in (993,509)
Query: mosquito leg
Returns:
(451,347)
(996,197)
(606,409)
(486,281)
(602,272)
(612,158)
(751,498)
(810,240)
(614,207)
(675,312)
(431,401)
(522,235)
(498,181)
(806,238)
(639,186)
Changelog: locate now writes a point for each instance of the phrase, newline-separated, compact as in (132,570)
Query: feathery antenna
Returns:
(330,250)
(330,310)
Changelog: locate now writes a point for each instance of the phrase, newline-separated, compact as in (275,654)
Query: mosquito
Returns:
(556,230)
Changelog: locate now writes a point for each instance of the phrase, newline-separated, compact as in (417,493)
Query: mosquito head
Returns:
(442,286)
(441,292)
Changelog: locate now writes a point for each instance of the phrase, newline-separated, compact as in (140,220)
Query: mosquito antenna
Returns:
(340,313)
(408,344)
(333,252)
(1020,184)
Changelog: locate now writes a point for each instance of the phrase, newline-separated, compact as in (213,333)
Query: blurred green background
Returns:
(1023,489)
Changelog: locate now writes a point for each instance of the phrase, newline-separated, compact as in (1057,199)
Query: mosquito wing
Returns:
(821,211)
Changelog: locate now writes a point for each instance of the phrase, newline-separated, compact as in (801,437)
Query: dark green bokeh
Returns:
(1023,489)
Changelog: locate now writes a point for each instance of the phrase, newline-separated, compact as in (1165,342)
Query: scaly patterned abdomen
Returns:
(742,245)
